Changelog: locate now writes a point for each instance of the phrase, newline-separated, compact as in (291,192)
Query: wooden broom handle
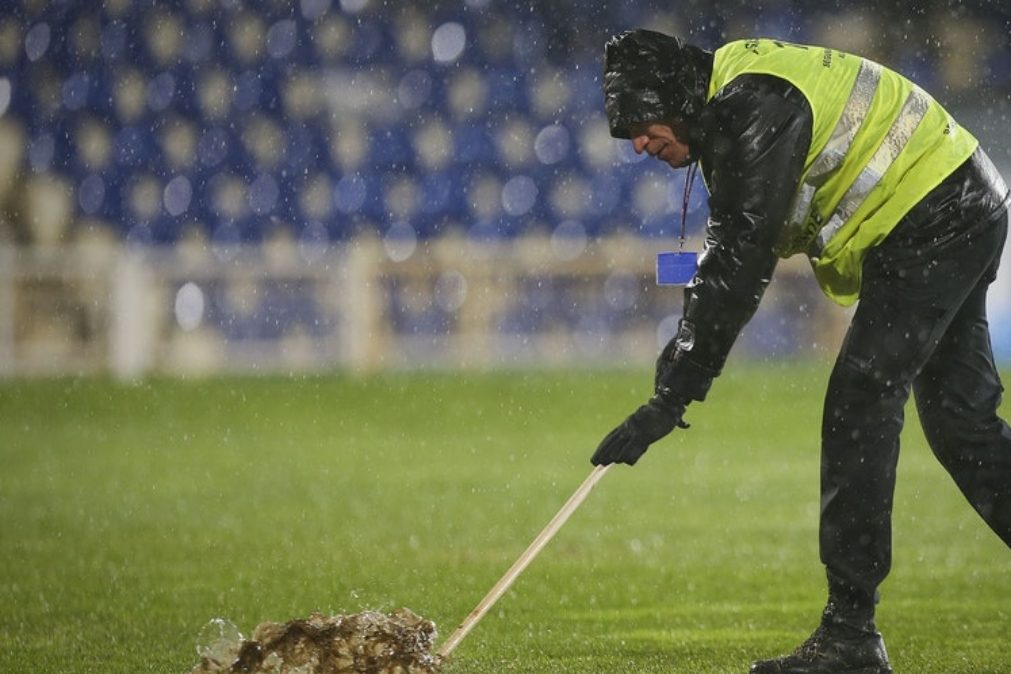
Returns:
(524,560)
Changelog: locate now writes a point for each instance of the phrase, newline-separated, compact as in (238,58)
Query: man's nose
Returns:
(640,142)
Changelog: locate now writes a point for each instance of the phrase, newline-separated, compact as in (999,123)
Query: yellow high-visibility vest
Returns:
(879,144)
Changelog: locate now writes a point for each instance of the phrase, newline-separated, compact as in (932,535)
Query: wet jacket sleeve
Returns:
(754,136)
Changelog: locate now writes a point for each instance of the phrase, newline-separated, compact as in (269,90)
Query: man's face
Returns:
(662,140)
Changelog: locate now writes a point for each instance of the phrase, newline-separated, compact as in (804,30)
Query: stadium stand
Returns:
(230,122)
(160,115)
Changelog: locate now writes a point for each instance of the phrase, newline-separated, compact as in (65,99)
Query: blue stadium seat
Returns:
(390,146)
(214,147)
(507,88)
(304,148)
(360,194)
(533,40)
(473,144)
(134,146)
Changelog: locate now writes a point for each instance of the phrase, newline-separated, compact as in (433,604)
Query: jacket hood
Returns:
(649,76)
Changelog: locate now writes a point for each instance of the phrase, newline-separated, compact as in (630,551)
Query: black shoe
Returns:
(834,648)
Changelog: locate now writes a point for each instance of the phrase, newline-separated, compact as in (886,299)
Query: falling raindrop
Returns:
(448,42)
(414,89)
(349,194)
(281,38)
(552,144)
(189,310)
(314,9)
(353,6)
(177,195)
(400,241)
(263,194)
(450,290)
(37,41)
(519,195)
(91,194)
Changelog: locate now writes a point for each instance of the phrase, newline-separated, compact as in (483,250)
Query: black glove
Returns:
(677,375)
(652,421)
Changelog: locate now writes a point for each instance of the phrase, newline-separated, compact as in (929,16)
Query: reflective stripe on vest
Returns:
(831,156)
(913,110)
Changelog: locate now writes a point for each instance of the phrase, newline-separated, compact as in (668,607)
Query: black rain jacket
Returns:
(752,139)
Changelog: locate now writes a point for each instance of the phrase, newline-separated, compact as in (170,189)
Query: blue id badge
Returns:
(675,269)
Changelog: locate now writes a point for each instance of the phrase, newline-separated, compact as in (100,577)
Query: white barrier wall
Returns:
(368,305)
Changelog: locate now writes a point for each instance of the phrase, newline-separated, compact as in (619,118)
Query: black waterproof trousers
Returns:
(921,325)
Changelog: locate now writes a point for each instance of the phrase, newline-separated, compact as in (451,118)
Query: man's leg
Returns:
(921,318)
(863,416)
(957,396)
(920,282)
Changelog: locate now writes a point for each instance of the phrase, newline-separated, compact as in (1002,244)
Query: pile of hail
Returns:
(396,643)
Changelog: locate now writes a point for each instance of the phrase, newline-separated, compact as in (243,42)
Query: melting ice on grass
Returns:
(218,642)
(396,643)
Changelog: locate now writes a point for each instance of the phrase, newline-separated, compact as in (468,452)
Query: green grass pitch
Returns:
(131,515)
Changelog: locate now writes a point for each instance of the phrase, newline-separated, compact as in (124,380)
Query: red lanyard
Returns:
(690,172)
